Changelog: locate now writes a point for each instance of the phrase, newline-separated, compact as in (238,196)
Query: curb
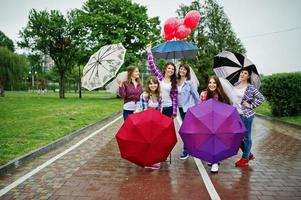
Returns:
(279,121)
(53,145)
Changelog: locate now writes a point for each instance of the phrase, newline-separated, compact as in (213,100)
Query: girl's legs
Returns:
(167,111)
(184,154)
(182,113)
(126,113)
(247,142)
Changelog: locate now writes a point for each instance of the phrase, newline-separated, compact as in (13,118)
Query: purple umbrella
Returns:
(212,131)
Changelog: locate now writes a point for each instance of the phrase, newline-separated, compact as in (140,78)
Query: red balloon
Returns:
(170,26)
(180,22)
(192,19)
(182,32)
(168,37)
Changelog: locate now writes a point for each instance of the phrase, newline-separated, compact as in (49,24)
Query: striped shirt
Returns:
(146,102)
(253,97)
(159,75)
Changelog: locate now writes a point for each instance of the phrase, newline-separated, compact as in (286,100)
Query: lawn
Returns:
(29,120)
(265,109)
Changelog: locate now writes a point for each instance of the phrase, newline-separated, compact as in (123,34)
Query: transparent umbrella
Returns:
(103,66)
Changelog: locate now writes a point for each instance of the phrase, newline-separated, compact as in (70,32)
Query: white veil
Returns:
(194,79)
(229,90)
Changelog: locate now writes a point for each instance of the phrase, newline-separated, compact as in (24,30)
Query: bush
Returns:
(283,92)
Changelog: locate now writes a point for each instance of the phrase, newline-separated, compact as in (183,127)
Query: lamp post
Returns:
(32,72)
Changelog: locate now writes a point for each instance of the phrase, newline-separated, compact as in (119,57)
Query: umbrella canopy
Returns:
(113,86)
(175,50)
(212,131)
(228,65)
(102,66)
(146,138)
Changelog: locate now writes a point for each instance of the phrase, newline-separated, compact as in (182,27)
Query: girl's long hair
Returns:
(130,70)
(219,91)
(173,77)
(156,81)
(188,76)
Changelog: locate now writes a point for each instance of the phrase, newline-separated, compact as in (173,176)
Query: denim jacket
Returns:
(189,95)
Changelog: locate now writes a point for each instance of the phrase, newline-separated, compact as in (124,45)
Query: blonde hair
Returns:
(130,70)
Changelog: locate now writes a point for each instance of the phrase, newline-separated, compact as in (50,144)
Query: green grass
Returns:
(265,109)
(29,121)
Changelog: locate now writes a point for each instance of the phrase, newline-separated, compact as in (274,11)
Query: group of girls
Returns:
(167,92)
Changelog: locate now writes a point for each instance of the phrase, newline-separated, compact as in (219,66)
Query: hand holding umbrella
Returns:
(149,48)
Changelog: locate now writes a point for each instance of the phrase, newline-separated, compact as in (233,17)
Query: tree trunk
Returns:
(62,86)
(1,91)
(79,83)
(2,88)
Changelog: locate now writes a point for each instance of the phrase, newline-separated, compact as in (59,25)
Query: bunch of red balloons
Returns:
(181,28)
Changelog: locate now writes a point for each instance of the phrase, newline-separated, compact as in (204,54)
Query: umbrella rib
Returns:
(233,75)
(90,68)
(92,71)
(103,55)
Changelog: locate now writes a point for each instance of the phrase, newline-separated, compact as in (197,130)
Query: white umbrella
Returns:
(103,66)
(113,86)
(229,65)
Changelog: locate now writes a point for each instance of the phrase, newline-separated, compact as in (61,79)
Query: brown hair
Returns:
(173,78)
(219,91)
(188,76)
(130,70)
(154,80)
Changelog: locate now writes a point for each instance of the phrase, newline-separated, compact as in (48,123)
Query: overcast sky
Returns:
(269,29)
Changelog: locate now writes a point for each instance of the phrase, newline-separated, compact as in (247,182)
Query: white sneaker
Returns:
(214,168)
(154,166)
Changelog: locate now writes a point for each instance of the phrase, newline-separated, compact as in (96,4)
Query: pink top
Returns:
(203,96)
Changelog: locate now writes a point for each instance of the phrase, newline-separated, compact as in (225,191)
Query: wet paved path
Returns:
(94,170)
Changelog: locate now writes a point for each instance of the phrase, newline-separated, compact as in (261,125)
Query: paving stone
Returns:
(95,170)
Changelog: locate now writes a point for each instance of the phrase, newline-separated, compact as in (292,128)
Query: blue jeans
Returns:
(167,111)
(247,141)
(182,114)
(126,113)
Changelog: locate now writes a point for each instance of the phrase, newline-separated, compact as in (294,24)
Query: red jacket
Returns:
(129,92)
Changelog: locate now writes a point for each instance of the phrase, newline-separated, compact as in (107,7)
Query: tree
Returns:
(13,67)
(6,42)
(213,35)
(50,34)
(102,22)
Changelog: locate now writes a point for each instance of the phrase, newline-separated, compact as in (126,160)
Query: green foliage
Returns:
(213,35)
(6,42)
(51,34)
(13,69)
(283,93)
(102,22)
(37,120)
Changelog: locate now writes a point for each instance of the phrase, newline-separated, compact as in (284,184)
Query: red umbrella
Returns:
(146,138)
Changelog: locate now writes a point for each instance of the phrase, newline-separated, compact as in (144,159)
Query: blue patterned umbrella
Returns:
(175,50)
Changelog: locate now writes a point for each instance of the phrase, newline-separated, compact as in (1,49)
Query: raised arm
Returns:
(152,64)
